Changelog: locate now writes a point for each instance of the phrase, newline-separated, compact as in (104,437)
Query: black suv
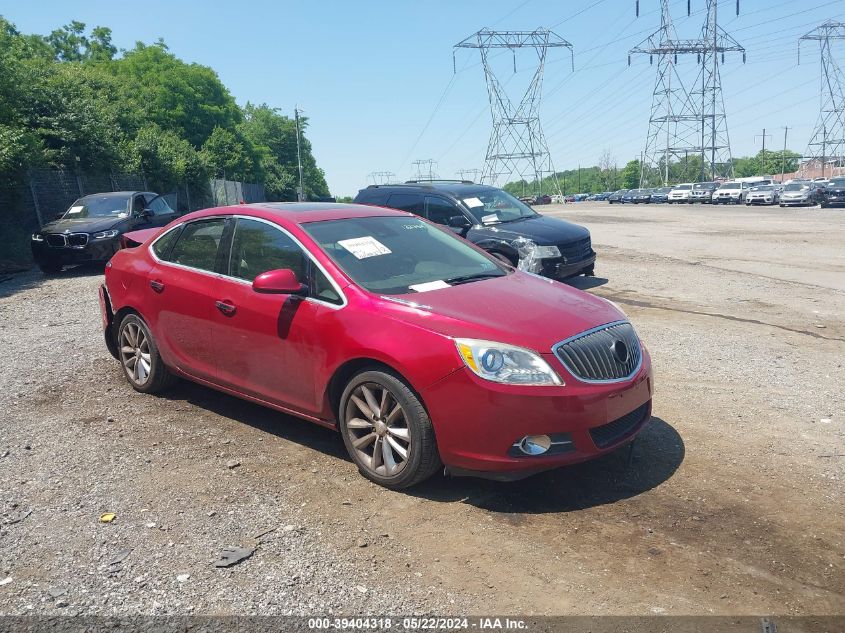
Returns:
(496,221)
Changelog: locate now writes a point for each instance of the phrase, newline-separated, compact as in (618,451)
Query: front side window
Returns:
(398,255)
(197,244)
(161,247)
(258,247)
(439,210)
(159,206)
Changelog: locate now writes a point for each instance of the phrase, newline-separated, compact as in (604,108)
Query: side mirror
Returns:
(459,222)
(282,281)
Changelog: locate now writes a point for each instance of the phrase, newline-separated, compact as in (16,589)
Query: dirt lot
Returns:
(732,502)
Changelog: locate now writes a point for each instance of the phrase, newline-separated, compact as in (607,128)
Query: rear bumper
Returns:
(477,425)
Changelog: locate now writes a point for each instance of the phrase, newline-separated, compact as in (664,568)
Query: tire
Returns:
(374,440)
(50,269)
(145,371)
(589,271)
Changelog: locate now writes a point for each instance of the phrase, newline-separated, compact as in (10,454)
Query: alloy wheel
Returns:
(135,353)
(378,429)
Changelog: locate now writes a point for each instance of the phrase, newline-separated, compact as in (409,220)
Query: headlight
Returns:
(503,363)
(530,254)
(102,235)
(37,237)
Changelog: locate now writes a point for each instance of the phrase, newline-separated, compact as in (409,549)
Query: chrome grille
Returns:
(56,239)
(74,240)
(77,239)
(608,353)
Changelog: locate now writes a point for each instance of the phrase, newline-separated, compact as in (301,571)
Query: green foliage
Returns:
(766,163)
(68,100)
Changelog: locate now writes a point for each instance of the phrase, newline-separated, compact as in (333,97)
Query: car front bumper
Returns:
(93,251)
(766,200)
(479,424)
(562,268)
(835,201)
(795,202)
(726,199)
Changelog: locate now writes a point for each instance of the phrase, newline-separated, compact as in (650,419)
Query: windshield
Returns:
(763,188)
(491,206)
(97,207)
(664,190)
(398,255)
(704,185)
(683,187)
(838,183)
(730,185)
(795,186)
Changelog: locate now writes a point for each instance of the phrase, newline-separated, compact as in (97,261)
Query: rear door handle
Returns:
(157,285)
(225,307)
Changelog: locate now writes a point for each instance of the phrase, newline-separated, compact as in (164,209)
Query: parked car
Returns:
(833,194)
(497,222)
(628,196)
(543,199)
(680,192)
(731,192)
(602,196)
(799,194)
(616,196)
(90,230)
(762,194)
(421,349)
(661,195)
(643,196)
(702,192)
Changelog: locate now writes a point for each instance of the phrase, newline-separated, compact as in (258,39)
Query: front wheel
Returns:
(387,431)
(139,356)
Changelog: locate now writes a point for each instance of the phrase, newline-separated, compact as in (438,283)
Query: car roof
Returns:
(114,194)
(299,212)
(455,187)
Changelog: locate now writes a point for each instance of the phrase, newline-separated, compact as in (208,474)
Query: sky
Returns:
(376,79)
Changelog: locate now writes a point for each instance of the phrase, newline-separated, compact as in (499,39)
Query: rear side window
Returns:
(258,247)
(197,245)
(162,246)
(159,206)
(410,202)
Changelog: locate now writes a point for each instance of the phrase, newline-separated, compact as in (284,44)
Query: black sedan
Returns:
(833,195)
(643,196)
(616,196)
(661,195)
(89,231)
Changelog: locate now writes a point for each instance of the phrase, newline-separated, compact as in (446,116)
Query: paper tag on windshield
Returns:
(489,218)
(73,210)
(430,285)
(473,202)
(364,247)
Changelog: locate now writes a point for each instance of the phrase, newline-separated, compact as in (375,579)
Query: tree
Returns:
(225,155)
(70,44)
(630,176)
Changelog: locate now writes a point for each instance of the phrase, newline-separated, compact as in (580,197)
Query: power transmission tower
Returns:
(828,141)
(686,121)
(517,145)
(382,177)
(425,169)
(469,174)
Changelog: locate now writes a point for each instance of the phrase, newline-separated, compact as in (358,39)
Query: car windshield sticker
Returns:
(74,210)
(431,285)
(122,214)
(364,247)
(473,202)
(489,218)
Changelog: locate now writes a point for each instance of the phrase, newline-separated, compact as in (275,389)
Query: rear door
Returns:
(182,287)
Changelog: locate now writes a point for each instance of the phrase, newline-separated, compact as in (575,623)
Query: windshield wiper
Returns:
(462,279)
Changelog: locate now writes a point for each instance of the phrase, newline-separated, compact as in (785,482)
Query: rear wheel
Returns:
(139,356)
(387,431)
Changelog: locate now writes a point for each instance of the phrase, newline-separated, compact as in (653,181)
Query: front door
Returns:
(270,345)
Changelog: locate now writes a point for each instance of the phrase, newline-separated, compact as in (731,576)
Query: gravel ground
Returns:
(731,503)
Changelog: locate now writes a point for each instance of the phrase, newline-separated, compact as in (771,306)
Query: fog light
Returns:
(535,444)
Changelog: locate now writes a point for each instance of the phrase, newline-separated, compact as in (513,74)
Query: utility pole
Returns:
(425,169)
(764,135)
(783,156)
(579,177)
(469,174)
(300,192)
(829,134)
(382,177)
(517,144)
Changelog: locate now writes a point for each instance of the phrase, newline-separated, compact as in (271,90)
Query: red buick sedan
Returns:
(421,349)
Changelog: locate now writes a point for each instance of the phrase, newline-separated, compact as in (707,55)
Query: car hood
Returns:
(82,225)
(518,309)
(795,194)
(542,229)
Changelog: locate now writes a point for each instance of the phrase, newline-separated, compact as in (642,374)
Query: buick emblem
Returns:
(620,350)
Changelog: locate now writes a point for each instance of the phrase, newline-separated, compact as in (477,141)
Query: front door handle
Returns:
(225,307)
(157,285)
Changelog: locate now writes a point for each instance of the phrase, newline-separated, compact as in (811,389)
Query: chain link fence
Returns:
(43,194)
